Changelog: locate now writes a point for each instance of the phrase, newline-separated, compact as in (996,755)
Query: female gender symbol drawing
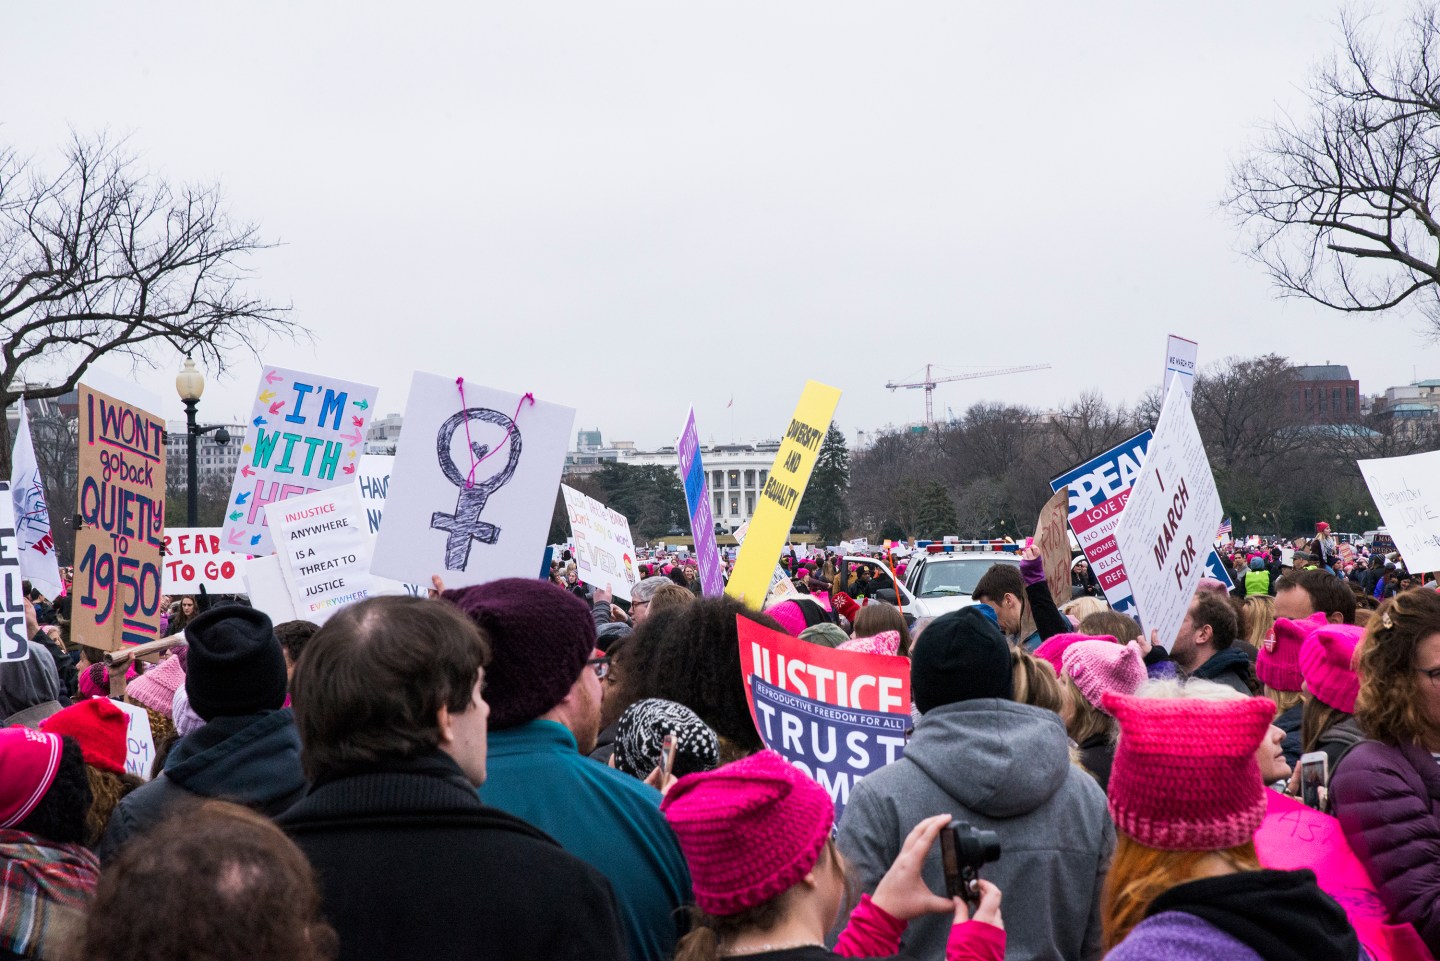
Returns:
(465,525)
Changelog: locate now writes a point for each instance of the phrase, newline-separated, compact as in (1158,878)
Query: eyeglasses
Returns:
(1433,673)
(601,665)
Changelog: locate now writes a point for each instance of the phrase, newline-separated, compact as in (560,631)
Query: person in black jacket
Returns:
(412,865)
(1204,647)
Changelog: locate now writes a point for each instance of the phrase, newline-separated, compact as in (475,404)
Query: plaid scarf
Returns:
(44,892)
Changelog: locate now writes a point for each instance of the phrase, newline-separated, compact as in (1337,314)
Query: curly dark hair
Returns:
(61,814)
(691,654)
(1389,707)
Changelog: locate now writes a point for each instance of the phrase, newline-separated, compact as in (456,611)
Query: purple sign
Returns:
(697,499)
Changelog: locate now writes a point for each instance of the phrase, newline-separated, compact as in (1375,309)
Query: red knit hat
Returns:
(30,760)
(1328,662)
(1278,663)
(749,830)
(1185,776)
(1053,649)
(99,726)
(1100,666)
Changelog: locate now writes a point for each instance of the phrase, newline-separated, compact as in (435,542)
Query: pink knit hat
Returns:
(791,618)
(1053,649)
(1185,776)
(155,688)
(30,761)
(1328,662)
(1100,666)
(886,642)
(749,830)
(1278,664)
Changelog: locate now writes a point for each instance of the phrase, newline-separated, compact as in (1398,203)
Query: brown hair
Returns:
(1389,706)
(999,580)
(1328,594)
(1140,874)
(1317,717)
(877,617)
(1216,612)
(370,683)
(1034,681)
(1086,720)
(106,791)
(216,878)
(670,595)
(1122,627)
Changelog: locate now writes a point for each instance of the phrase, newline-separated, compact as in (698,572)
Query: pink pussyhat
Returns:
(1100,666)
(886,642)
(1278,663)
(1328,662)
(790,617)
(1053,649)
(749,830)
(1185,776)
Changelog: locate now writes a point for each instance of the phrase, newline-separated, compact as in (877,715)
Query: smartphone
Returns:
(954,881)
(667,754)
(1314,778)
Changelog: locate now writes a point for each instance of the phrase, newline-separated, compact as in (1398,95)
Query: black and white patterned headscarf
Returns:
(641,730)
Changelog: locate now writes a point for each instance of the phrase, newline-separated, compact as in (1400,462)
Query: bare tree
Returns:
(104,258)
(1339,205)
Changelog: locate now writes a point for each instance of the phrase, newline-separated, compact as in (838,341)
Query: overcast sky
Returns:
(631,207)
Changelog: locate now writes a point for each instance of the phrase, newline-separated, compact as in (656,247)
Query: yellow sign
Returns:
(780,497)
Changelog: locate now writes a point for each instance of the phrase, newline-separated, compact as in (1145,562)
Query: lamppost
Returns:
(190,384)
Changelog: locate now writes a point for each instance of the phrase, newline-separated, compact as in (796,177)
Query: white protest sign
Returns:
(14,642)
(324,550)
(1407,491)
(473,485)
(1180,356)
(268,589)
(38,560)
(193,556)
(373,479)
(1169,520)
(139,740)
(604,550)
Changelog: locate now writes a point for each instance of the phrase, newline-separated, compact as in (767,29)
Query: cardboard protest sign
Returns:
(373,479)
(14,639)
(1180,357)
(780,498)
(473,485)
(139,740)
(836,715)
(122,513)
(38,561)
(1407,491)
(604,552)
(193,556)
(1169,522)
(1054,542)
(309,432)
(324,550)
(697,502)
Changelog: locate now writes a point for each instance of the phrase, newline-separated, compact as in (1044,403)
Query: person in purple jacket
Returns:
(1387,795)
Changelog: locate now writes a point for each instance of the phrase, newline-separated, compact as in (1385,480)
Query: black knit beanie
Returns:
(236,666)
(960,656)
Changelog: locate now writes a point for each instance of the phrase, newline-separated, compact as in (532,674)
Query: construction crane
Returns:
(929,383)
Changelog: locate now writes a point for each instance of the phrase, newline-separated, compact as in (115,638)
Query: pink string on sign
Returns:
(475,462)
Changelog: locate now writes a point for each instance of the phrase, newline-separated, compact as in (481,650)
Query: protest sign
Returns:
(193,556)
(1054,543)
(697,502)
(1180,356)
(268,589)
(38,561)
(13,642)
(604,553)
(1407,491)
(1169,522)
(139,739)
(309,432)
(836,715)
(473,483)
(324,550)
(780,497)
(122,513)
(373,479)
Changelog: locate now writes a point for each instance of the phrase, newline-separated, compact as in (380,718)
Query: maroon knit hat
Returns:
(1278,663)
(1185,776)
(1328,660)
(540,637)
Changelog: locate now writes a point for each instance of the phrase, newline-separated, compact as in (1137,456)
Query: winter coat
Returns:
(873,933)
(1338,741)
(252,760)
(604,817)
(1249,916)
(1230,667)
(1097,755)
(413,867)
(1388,801)
(24,684)
(1289,722)
(1004,767)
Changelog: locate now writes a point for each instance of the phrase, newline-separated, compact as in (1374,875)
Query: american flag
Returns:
(1224,528)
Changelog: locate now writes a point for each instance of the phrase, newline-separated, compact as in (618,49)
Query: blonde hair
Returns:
(1082,607)
(1257,617)
(1034,681)
(1086,720)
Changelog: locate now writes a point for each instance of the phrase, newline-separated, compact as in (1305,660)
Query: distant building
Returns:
(1325,394)
(1409,409)
(211,458)
(383,434)
(66,406)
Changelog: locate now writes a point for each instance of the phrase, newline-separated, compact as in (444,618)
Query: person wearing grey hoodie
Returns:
(999,766)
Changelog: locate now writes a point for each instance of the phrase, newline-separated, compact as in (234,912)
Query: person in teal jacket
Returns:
(544,695)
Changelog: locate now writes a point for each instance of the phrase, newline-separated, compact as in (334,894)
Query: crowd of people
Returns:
(538,768)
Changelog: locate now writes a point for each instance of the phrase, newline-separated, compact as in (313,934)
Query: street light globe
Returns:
(189,383)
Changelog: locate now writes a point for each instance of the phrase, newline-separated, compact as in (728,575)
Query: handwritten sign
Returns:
(473,485)
(836,715)
(1180,357)
(697,502)
(780,496)
(308,434)
(139,741)
(373,479)
(604,550)
(1407,491)
(122,512)
(193,556)
(14,644)
(1166,532)
(324,549)
(1054,542)
(38,560)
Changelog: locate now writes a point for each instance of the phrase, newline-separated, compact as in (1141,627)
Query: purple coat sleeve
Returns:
(1385,798)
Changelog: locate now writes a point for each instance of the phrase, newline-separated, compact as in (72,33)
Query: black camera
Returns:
(963,850)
